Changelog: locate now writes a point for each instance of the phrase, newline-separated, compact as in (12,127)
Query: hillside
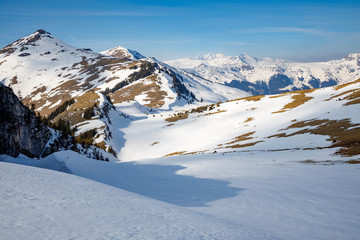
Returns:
(305,120)
(260,76)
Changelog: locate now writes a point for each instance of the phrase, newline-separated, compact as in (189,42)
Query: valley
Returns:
(186,153)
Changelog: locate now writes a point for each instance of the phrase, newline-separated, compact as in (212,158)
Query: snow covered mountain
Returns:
(46,72)
(283,166)
(260,76)
(60,81)
(121,52)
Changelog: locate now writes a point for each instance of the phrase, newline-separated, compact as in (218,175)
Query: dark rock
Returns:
(24,54)
(23,49)
(41,31)
(22,132)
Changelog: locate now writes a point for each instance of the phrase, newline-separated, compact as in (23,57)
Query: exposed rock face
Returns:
(21,131)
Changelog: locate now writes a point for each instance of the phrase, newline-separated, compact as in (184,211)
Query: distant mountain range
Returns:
(259,76)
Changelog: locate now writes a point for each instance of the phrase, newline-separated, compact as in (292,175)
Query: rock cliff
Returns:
(22,132)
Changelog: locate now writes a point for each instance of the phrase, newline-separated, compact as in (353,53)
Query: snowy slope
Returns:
(269,76)
(309,120)
(250,195)
(121,52)
(42,204)
(265,167)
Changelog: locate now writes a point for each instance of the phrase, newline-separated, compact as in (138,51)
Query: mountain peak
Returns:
(122,52)
(42,31)
(209,56)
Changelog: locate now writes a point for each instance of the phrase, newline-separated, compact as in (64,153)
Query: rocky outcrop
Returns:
(22,132)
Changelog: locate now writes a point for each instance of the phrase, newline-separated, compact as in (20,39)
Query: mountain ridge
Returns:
(270,76)
(41,67)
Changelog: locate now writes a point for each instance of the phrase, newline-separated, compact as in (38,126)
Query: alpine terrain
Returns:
(214,147)
(270,76)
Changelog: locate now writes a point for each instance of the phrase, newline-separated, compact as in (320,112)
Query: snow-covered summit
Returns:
(40,41)
(121,52)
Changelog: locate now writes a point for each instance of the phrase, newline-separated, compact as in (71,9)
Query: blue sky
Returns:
(295,30)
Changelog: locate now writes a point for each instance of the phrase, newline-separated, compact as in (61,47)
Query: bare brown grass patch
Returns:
(251,98)
(212,113)
(74,114)
(179,116)
(153,91)
(346,84)
(353,162)
(342,133)
(175,153)
(238,139)
(249,119)
(298,99)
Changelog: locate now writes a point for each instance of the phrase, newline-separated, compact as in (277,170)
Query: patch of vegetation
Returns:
(309,162)
(342,133)
(90,112)
(339,95)
(86,138)
(219,111)
(203,108)
(353,162)
(82,109)
(244,145)
(146,69)
(251,98)
(249,119)
(61,125)
(354,98)
(152,90)
(175,153)
(346,84)
(241,138)
(61,108)
(298,99)
(178,116)
(111,150)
